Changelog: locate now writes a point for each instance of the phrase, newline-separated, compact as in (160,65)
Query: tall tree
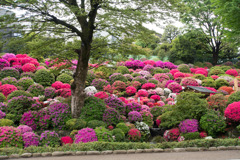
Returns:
(200,15)
(170,33)
(82,18)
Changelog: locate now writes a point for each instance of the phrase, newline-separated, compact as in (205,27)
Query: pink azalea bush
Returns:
(10,137)
(175,87)
(29,67)
(232,112)
(101,95)
(232,72)
(30,139)
(6,89)
(148,86)
(85,135)
(24,128)
(188,125)
(130,90)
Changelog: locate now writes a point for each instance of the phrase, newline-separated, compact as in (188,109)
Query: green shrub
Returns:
(225,68)
(184,68)
(36,90)
(156,111)
(140,79)
(123,127)
(118,134)
(93,109)
(106,70)
(2,97)
(166,70)
(213,123)
(103,134)
(221,82)
(191,135)
(189,106)
(9,80)
(18,93)
(117,77)
(157,70)
(158,139)
(199,76)
(44,77)
(215,71)
(27,74)
(9,72)
(178,62)
(199,64)
(154,81)
(135,74)
(65,78)
(122,69)
(238,128)
(6,122)
(76,124)
(11,117)
(25,82)
(209,83)
(90,77)
(96,123)
(235,97)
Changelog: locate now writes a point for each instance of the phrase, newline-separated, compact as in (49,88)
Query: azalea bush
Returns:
(10,137)
(85,135)
(48,138)
(232,112)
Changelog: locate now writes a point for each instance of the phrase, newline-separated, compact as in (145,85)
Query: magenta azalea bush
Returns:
(188,125)
(85,135)
(30,139)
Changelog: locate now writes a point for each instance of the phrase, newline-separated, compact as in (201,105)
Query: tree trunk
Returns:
(215,58)
(78,86)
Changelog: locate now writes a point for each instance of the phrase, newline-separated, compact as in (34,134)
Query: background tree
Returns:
(170,33)
(73,18)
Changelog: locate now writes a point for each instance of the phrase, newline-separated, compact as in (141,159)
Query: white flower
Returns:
(208,137)
(90,90)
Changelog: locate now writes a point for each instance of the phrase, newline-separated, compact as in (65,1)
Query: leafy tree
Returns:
(170,33)
(163,50)
(81,19)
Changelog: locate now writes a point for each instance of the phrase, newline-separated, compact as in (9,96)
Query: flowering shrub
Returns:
(234,97)
(27,74)
(29,119)
(9,72)
(66,140)
(134,135)
(44,77)
(29,67)
(155,98)
(148,86)
(175,87)
(171,135)
(119,85)
(101,95)
(117,77)
(189,82)
(128,76)
(209,83)
(99,83)
(57,85)
(30,139)
(122,69)
(111,116)
(7,56)
(60,113)
(130,90)
(103,134)
(142,93)
(227,89)
(10,137)
(25,82)
(232,112)
(161,77)
(133,107)
(9,80)
(49,92)
(217,102)
(188,125)
(232,72)
(4,63)
(179,75)
(140,79)
(50,139)
(6,89)
(144,130)
(36,90)
(24,128)
(2,115)
(134,64)
(134,116)
(147,118)
(85,135)
(136,84)
(213,123)
(116,103)
(203,134)
(221,82)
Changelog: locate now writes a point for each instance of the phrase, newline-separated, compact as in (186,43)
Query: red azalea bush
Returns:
(6,89)
(171,135)
(131,90)
(57,85)
(64,92)
(66,140)
(175,87)
(203,134)
(178,75)
(142,93)
(101,95)
(232,72)
(134,135)
(29,67)
(232,112)
(189,82)
(148,86)
(155,98)
(35,62)
(202,71)
(66,85)
(214,77)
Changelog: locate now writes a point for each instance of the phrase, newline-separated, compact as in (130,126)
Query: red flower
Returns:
(66,140)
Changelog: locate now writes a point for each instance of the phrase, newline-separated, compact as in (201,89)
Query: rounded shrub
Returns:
(144,129)
(215,71)
(6,122)
(232,112)
(4,63)
(64,78)
(90,77)
(2,97)
(217,102)
(117,77)
(116,103)
(147,118)
(9,72)
(154,81)
(171,135)
(140,79)
(9,80)
(29,67)
(96,123)
(135,74)
(85,135)
(199,76)
(133,107)
(123,127)
(161,77)
(184,68)
(191,135)
(122,70)
(11,137)
(156,111)
(103,134)
(134,135)
(30,139)
(2,114)
(36,89)
(76,124)
(118,134)
(48,138)
(19,93)
(221,82)
(134,116)
(111,116)
(225,68)
(157,70)
(99,83)
(25,82)
(213,123)
(49,92)
(209,83)
(189,82)
(44,77)
(93,109)
(7,89)
(27,74)
(188,125)
(24,128)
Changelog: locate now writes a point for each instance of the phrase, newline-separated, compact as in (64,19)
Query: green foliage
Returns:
(18,93)
(199,64)
(93,109)
(123,127)
(209,83)
(154,81)
(225,68)
(27,74)
(235,97)
(213,123)
(6,122)
(191,135)
(65,78)
(215,71)
(158,139)
(184,68)
(119,134)
(36,90)
(76,124)
(156,111)
(135,74)
(221,82)
(238,128)
(122,69)
(96,123)
(9,73)
(189,106)
(11,117)
(140,79)
(25,83)
(9,80)
(199,76)
(90,77)
(157,70)
(44,77)
(2,98)
(103,134)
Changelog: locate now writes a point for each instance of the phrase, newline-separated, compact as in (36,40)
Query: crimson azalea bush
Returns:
(10,137)
(66,140)
(130,90)
(232,112)
(6,89)
(232,72)
(29,67)
(175,87)
(85,135)
(171,135)
(148,86)
(142,93)
(134,135)
(101,95)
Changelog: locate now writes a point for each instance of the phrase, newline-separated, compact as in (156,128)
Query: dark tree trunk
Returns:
(78,86)
(215,58)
